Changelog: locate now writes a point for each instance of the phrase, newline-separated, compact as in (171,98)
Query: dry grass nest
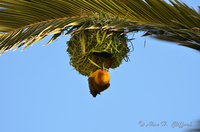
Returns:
(97,43)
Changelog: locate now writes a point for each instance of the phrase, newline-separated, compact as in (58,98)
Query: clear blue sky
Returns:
(40,91)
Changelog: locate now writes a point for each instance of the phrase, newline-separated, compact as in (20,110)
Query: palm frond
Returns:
(24,23)
(32,34)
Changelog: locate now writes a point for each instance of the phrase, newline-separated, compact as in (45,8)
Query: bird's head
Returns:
(102,77)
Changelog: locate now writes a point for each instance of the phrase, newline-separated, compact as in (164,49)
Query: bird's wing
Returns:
(92,86)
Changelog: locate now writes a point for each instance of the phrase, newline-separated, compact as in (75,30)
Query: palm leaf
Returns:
(24,23)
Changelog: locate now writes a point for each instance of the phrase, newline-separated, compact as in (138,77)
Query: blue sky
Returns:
(40,91)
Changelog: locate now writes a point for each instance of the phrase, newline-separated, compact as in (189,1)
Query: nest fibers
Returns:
(94,43)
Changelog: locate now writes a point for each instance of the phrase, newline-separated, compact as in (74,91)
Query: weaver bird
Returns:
(99,81)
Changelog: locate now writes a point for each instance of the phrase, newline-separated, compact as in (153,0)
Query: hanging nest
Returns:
(93,43)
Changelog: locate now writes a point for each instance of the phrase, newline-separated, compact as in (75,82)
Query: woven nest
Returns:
(96,46)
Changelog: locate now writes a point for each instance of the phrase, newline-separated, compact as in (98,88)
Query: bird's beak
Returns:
(102,68)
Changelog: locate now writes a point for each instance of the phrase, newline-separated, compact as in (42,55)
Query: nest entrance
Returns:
(102,54)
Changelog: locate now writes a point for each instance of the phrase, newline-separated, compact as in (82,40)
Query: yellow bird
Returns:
(99,81)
